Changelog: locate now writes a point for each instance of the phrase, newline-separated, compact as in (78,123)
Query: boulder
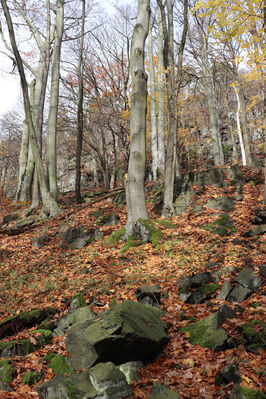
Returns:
(224,313)
(130,369)
(108,220)
(214,177)
(238,294)
(200,279)
(256,231)
(183,201)
(207,333)
(224,226)
(240,392)
(126,332)
(104,381)
(149,295)
(247,278)
(161,392)
(40,241)
(225,204)
(25,346)
(76,237)
(260,217)
(225,291)
(228,374)
(76,316)
(24,320)
(9,218)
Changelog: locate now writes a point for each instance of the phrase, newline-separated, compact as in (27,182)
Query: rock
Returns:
(184,296)
(254,332)
(108,220)
(247,278)
(225,291)
(263,270)
(7,371)
(197,208)
(24,320)
(225,204)
(200,279)
(240,392)
(256,231)
(104,381)
(28,221)
(214,177)
(130,369)
(236,175)
(195,297)
(161,392)
(149,295)
(126,332)
(228,374)
(260,216)
(223,226)
(59,365)
(31,377)
(78,301)
(9,218)
(224,313)
(5,387)
(39,242)
(184,282)
(25,346)
(79,315)
(207,333)
(183,201)
(120,199)
(238,294)
(76,237)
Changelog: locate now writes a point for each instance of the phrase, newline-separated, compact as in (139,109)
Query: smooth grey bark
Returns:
(80,108)
(23,158)
(54,98)
(229,121)
(161,98)
(238,124)
(49,204)
(134,181)
(154,146)
(264,108)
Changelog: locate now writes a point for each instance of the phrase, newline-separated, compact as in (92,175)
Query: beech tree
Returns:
(134,181)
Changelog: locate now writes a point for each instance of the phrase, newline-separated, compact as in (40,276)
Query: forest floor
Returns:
(33,278)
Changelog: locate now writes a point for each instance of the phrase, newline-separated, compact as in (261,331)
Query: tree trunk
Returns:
(161,98)
(23,158)
(50,205)
(80,109)
(54,96)
(238,124)
(153,108)
(134,180)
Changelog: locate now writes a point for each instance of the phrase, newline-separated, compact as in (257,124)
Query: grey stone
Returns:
(40,241)
(149,294)
(225,204)
(200,279)
(184,282)
(183,201)
(196,297)
(126,332)
(256,231)
(228,374)
(214,177)
(161,392)
(263,270)
(79,315)
(239,392)
(130,370)
(248,279)
(184,296)
(238,294)
(225,291)
(224,313)
(5,387)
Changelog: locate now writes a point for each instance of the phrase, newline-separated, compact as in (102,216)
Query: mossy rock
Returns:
(59,365)
(254,332)
(7,371)
(209,289)
(224,226)
(31,377)
(161,392)
(206,333)
(154,234)
(25,346)
(78,301)
(24,320)
(116,236)
(240,392)
(111,220)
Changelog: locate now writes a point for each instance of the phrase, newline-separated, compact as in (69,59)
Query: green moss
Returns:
(255,305)
(166,223)
(31,377)
(97,214)
(80,299)
(251,393)
(155,234)
(131,242)
(224,226)
(254,332)
(59,365)
(209,289)
(70,388)
(31,316)
(116,236)
(6,371)
(48,357)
